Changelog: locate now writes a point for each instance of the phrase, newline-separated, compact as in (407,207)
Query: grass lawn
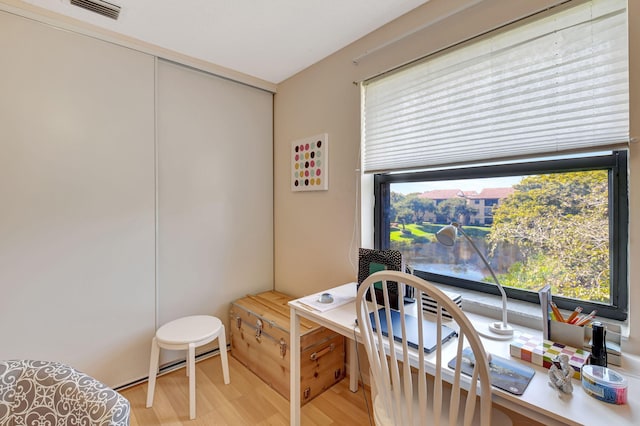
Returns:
(419,232)
(416,231)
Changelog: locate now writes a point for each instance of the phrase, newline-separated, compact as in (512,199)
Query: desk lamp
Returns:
(496,330)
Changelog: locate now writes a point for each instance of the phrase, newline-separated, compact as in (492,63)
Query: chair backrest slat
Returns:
(400,377)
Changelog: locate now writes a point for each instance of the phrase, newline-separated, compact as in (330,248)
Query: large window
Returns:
(519,135)
(561,222)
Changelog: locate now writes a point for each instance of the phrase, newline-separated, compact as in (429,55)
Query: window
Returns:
(553,221)
(522,129)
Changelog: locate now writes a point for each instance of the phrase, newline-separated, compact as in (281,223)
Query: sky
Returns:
(462,184)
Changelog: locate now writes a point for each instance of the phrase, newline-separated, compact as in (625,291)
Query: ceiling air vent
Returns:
(98,6)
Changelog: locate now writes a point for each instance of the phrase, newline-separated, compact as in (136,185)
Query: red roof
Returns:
(496,193)
(486,193)
(442,194)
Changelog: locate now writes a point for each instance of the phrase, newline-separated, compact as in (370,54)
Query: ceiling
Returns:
(268,39)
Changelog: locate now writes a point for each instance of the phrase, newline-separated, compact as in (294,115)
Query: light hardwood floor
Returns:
(247,400)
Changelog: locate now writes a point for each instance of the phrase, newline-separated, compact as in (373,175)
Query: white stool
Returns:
(187,334)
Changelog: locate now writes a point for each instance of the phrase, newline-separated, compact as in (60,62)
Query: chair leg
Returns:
(222,342)
(153,371)
(192,380)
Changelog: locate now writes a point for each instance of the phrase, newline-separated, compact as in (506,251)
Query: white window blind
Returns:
(553,84)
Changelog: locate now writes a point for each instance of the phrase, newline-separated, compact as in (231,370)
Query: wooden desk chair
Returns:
(403,396)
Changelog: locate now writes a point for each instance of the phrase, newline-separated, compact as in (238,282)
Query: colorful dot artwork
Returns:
(309,164)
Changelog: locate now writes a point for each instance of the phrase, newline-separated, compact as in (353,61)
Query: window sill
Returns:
(518,312)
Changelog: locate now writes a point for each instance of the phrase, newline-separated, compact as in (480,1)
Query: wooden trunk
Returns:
(260,340)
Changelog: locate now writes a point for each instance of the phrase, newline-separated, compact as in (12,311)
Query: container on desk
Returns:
(580,337)
(569,334)
(614,352)
(598,344)
(604,384)
(543,352)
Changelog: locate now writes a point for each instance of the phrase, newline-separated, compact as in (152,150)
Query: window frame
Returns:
(615,162)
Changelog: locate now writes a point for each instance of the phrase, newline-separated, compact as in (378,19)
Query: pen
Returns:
(556,312)
(573,318)
(587,319)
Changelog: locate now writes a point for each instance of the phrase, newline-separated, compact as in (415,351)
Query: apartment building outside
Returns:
(481,203)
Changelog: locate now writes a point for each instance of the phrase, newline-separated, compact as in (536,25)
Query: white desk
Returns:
(539,401)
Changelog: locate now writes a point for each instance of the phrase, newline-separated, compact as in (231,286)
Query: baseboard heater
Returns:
(168,368)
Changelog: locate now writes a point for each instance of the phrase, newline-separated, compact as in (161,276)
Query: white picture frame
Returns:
(310,163)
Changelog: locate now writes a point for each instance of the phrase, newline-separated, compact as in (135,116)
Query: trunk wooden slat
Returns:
(260,340)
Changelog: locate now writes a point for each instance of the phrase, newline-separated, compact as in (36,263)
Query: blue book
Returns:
(429,329)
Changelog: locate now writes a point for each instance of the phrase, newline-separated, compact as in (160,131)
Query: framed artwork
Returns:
(309,164)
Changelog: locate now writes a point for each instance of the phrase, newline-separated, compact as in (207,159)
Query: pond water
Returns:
(461,260)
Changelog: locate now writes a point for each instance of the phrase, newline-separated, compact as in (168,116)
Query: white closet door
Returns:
(215,192)
(76,201)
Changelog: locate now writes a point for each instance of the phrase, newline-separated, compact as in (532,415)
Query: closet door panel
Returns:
(76,200)
(215,192)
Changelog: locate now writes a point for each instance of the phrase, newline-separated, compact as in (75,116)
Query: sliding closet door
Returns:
(215,192)
(76,201)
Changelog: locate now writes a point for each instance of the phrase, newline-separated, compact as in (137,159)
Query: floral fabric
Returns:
(54,394)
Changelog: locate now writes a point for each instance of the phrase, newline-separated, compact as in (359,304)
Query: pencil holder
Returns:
(569,334)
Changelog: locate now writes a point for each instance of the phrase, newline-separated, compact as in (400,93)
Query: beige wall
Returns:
(315,247)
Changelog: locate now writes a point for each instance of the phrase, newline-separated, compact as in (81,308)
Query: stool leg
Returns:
(222,341)
(192,380)
(153,371)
